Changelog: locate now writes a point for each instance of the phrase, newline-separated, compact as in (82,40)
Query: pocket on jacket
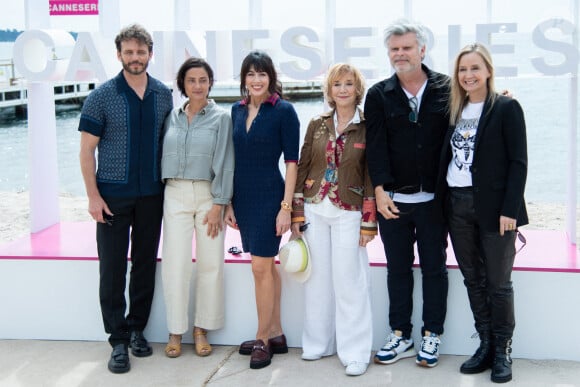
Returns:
(359,190)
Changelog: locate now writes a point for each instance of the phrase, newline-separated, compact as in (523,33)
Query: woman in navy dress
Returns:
(264,127)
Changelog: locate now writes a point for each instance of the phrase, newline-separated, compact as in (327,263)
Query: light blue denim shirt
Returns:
(200,150)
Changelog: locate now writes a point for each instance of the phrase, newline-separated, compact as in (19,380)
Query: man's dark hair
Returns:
(134,31)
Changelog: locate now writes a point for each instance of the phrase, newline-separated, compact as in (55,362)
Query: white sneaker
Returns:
(429,353)
(356,368)
(396,348)
(310,357)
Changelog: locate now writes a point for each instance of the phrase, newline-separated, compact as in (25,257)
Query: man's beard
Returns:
(128,67)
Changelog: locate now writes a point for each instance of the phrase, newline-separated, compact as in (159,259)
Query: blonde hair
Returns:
(338,70)
(458,97)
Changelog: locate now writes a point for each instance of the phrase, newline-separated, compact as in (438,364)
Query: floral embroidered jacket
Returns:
(337,168)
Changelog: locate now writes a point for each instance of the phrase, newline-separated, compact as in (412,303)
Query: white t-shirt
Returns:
(463,145)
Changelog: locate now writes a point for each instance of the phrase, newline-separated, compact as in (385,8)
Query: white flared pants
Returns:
(185,205)
(337,295)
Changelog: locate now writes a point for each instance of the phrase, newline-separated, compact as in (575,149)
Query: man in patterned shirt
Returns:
(123,119)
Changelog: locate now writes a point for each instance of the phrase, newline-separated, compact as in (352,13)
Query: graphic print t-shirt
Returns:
(462,145)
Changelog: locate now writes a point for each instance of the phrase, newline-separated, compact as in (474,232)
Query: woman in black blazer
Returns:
(483,176)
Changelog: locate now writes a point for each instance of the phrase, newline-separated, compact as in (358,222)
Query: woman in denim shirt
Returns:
(197,167)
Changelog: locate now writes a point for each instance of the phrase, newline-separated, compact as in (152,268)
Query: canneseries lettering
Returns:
(302,59)
(73,7)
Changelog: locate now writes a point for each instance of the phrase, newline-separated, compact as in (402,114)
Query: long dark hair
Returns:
(261,63)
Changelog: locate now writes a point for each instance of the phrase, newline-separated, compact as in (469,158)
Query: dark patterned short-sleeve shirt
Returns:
(130,131)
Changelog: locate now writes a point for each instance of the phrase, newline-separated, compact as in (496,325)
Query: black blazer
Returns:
(500,164)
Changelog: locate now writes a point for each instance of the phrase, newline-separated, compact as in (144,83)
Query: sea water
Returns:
(544,100)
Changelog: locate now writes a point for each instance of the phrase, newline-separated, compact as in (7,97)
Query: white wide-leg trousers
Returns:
(185,205)
(337,295)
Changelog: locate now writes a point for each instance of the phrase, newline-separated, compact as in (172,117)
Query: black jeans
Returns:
(415,224)
(137,220)
(486,260)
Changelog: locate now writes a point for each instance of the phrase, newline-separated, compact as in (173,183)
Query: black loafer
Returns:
(119,361)
(139,345)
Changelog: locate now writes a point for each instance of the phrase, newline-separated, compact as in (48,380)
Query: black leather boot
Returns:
(501,371)
(483,357)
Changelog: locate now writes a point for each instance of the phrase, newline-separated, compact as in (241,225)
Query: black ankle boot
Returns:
(482,359)
(501,371)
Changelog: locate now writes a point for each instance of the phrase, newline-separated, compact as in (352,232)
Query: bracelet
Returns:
(285,206)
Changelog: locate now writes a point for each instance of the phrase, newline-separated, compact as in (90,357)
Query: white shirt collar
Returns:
(355,119)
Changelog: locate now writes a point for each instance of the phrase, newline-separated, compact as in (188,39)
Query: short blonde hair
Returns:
(338,70)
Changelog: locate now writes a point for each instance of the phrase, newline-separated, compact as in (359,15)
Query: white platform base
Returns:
(58,300)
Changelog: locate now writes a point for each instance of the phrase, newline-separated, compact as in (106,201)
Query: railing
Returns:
(17,95)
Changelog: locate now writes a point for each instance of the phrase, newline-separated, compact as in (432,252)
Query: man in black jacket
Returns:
(406,118)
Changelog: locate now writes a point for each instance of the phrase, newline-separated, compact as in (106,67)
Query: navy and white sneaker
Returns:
(429,353)
(396,348)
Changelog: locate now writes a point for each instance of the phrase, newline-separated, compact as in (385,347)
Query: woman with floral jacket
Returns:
(335,198)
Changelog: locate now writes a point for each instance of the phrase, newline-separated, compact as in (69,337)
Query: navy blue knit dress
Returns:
(258,182)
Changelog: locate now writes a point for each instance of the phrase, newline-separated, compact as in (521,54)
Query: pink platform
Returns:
(546,250)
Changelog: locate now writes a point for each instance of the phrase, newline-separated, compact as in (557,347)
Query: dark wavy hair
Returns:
(191,63)
(261,62)
(134,31)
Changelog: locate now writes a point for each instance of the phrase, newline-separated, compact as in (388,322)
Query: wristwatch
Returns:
(285,205)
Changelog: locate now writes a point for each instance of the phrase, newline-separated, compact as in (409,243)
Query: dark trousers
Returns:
(415,224)
(137,220)
(486,260)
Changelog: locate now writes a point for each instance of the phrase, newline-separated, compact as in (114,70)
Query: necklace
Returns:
(349,113)
(190,110)
(342,123)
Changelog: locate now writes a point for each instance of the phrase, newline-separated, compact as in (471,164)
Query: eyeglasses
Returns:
(522,239)
(108,219)
(234,250)
(414,114)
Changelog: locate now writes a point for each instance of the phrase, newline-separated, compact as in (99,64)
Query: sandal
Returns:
(202,347)
(173,350)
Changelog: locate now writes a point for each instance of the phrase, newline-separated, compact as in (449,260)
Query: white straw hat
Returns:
(295,259)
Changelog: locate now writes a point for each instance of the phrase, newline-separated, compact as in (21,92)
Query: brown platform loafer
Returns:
(277,345)
(261,355)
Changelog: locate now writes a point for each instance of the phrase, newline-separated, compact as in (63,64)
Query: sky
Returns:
(228,14)
(278,16)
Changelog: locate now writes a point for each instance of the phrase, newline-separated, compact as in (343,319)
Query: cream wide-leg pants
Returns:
(337,302)
(185,205)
